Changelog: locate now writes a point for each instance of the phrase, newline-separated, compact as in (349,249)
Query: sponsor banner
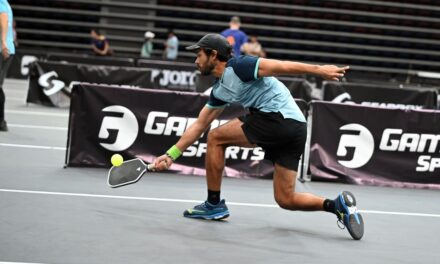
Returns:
(144,123)
(51,82)
(19,68)
(164,70)
(375,146)
(380,96)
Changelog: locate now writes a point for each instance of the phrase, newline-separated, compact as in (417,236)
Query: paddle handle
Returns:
(151,167)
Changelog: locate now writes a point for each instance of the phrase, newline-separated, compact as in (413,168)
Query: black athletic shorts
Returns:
(283,139)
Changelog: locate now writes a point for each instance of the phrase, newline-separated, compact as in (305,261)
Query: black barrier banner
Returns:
(375,146)
(51,82)
(380,96)
(144,123)
(166,72)
(19,68)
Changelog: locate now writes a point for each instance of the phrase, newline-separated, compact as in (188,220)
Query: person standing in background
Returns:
(235,36)
(14,26)
(171,46)
(8,51)
(147,47)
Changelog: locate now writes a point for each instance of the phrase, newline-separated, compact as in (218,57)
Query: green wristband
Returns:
(174,152)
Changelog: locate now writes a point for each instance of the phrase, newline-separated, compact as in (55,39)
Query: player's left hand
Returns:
(5,51)
(332,72)
(162,163)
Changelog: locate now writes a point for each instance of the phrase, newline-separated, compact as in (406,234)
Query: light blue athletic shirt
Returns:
(172,48)
(6,8)
(240,84)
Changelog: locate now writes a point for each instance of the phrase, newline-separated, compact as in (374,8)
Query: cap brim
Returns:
(193,47)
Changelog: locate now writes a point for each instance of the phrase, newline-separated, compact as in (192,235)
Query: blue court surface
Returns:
(49,214)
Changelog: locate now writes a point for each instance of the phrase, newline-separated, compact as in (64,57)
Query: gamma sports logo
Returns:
(119,128)
(356,146)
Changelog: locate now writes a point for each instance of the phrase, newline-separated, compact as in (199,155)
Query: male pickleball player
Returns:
(274,123)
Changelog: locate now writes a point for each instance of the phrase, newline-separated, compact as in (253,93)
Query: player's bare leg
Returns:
(344,206)
(284,190)
(219,139)
(229,134)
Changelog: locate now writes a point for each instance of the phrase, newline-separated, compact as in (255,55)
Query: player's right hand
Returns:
(162,163)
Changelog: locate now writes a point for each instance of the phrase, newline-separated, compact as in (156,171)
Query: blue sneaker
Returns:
(348,216)
(208,211)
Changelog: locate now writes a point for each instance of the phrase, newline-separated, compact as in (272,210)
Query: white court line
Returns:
(399,213)
(16,80)
(15,99)
(18,112)
(7,91)
(1,262)
(196,201)
(37,127)
(31,146)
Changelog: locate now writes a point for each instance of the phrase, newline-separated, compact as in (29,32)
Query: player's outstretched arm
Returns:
(270,67)
(191,135)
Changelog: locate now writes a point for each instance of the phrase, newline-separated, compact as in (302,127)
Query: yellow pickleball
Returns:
(117,160)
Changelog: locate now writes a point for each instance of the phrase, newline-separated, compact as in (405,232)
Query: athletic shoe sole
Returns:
(353,221)
(217,216)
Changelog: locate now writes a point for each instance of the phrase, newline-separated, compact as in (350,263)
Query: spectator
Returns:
(253,48)
(100,45)
(8,51)
(235,36)
(171,46)
(147,47)
(14,25)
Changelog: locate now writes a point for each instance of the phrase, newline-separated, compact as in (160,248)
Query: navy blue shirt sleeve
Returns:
(246,67)
(213,102)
